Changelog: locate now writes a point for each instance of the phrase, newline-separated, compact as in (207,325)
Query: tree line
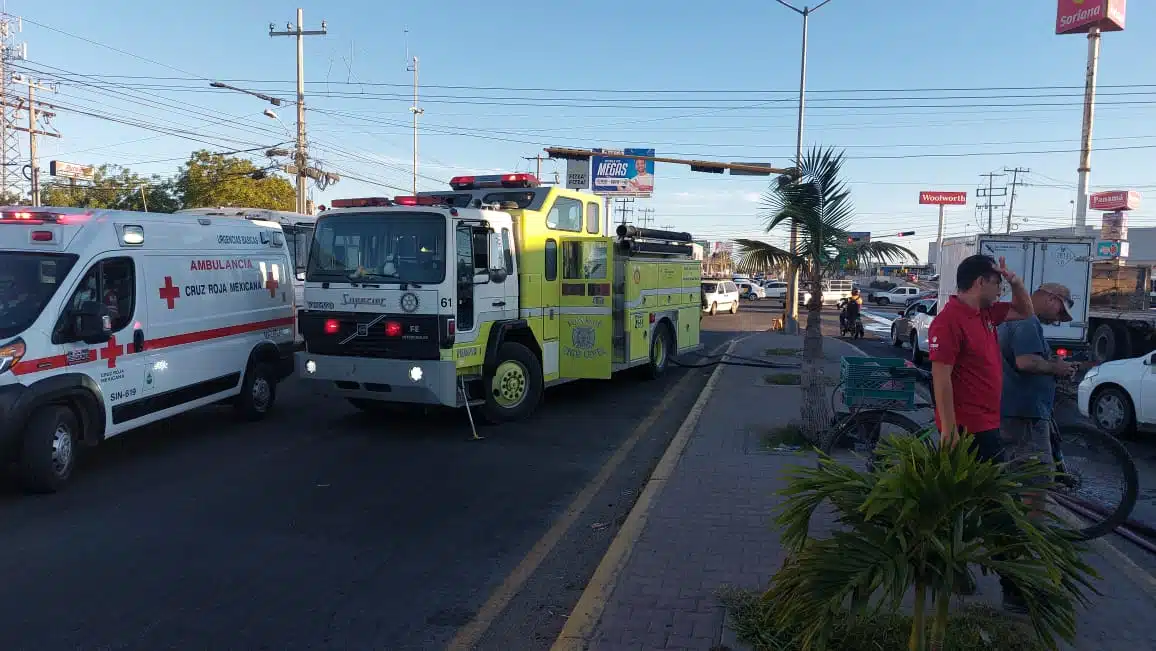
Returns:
(206,179)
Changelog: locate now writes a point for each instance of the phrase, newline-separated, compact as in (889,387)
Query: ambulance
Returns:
(110,320)
(484,295)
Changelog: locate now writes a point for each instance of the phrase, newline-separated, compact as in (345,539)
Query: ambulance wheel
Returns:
(49,452)
(661,348)
(258,392)
(514,387)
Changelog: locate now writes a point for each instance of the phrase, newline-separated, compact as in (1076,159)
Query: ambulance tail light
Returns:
(392,329)
(520,180)
(332,326)
(1063,352)
(419,201)
(41,236)
(363,202)
(10,354)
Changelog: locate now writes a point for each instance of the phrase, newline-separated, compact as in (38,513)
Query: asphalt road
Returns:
(322,528)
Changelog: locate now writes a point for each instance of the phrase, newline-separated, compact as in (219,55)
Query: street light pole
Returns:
(791,309)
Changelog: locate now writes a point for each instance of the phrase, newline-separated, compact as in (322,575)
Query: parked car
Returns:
(911,327)
(751,290)
(720,295)
(1118,396)
(896,295)
(775,288)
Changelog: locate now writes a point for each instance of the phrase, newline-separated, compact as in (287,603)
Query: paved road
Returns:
(322,528)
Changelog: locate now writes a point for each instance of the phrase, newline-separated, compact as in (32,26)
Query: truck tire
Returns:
(883,300)
(1110,342)
(514,386)
(48,455)
(258,392)
(661,348)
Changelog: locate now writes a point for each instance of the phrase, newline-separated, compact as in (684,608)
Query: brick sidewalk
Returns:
(711,527)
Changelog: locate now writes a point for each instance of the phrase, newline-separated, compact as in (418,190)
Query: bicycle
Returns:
(877,389)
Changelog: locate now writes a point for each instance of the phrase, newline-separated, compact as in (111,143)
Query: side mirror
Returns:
(1151,360)
(902,312)
(922,309)
(93,323)
(497,258)
(301,276)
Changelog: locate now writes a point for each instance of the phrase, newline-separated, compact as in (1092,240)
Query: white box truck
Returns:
(1106,318)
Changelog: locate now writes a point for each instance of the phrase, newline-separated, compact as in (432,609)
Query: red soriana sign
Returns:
(1079,16)
(943,198)
(1114,200)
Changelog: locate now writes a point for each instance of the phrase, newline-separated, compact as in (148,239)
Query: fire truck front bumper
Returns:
(425,382)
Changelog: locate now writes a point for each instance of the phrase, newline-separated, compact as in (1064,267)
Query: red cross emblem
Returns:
(271,284)
(111,352)
(170,293)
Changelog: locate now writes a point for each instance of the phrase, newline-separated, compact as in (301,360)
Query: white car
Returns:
(720,295)
(1120,396)
(911,328)
(751,290)
(896,295)
(775,288)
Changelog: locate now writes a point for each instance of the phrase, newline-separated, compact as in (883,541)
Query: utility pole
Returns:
(791,311)
(416,112)
(300,157)
(625,208)
(1011,202)
(1085,167)
(990,192)
(646,218)
(33,163)
(539,158)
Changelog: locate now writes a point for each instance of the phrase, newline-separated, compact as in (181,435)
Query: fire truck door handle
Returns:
(498,303)
(138,341)
(551,314)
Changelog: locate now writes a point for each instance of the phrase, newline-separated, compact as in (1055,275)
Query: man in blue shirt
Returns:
(1029,389)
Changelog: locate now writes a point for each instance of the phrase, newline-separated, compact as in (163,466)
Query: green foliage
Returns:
(113,187)
(974,628)
(919,520)
(209,179)
(820,203)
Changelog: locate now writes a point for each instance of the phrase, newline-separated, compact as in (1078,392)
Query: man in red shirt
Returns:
(966,367)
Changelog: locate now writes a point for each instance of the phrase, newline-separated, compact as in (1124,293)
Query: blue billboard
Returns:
(614,175)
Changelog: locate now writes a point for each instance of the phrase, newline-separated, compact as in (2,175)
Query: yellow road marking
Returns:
(469,635)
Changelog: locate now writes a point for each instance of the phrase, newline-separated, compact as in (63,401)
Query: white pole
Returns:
(1086,131)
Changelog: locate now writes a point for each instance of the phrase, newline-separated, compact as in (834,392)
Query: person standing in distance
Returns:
(966,369)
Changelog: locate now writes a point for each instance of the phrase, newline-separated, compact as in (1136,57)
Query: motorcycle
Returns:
(847,325)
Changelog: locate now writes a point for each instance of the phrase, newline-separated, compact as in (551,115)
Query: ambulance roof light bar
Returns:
(520,180)
(361,202)
(31,217)
(409,200)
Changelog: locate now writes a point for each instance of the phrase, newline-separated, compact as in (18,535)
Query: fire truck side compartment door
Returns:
(586,331)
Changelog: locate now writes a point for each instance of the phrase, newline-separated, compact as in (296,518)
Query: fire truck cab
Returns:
(488,293)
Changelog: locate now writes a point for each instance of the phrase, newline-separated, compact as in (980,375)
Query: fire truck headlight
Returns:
(415,374)
(310,367)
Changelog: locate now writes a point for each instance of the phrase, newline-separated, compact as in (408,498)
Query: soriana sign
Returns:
(1114,200)
(943,198)
(1079,16)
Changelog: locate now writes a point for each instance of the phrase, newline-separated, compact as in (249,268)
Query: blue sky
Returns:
(502,80)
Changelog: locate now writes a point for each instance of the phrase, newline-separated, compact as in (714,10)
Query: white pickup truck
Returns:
(834,291)
(898,295)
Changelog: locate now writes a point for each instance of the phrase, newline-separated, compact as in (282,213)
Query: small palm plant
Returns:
(918,521)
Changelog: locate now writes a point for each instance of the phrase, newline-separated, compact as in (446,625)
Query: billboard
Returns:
(1079,16)
(1114,200)
(943,198)
(71,170)
(617,176)
(578,174)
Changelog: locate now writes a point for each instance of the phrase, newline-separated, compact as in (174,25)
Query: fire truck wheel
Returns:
(49,449)
(661,348)
(258,392)
(514,387)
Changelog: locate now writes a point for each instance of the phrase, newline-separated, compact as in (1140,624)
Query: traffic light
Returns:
(904,233)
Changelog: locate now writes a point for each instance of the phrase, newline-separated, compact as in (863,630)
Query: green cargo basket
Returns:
(867,383)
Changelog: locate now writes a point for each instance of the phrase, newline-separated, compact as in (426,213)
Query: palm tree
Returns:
(819,202)
(919,521)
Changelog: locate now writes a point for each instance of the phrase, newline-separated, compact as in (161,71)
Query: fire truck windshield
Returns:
(393,247)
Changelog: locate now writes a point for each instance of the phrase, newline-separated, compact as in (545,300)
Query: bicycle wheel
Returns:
(857,435)
(1098,479)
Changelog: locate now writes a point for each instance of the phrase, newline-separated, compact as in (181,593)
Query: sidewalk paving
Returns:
(710,527)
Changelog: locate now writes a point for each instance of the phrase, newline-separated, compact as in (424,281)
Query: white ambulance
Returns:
(110,320)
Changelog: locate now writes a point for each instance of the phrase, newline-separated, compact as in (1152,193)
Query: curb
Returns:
(584,618)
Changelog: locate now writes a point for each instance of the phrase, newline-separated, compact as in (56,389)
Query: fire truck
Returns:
(484,295)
